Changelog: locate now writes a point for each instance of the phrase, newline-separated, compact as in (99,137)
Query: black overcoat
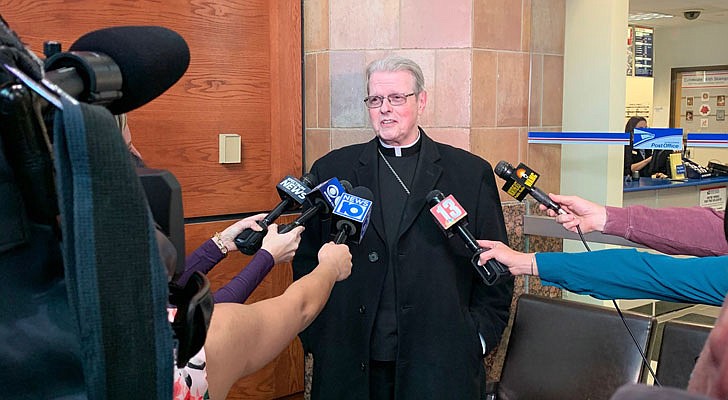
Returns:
(441,302)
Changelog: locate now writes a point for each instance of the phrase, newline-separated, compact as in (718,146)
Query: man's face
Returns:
(395,125)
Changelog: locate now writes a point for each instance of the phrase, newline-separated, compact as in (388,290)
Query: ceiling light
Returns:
(647,16)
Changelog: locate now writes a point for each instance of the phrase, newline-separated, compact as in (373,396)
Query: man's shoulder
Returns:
(462,158)
(346,154)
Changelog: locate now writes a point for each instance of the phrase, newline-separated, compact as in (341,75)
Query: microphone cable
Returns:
(624,321)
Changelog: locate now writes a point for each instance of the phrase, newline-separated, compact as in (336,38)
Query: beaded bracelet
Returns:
(220,244)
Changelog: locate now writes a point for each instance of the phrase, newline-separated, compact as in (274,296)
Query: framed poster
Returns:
(698,98)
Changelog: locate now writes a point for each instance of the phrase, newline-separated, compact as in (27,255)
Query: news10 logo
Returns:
(448,212)
(353,207)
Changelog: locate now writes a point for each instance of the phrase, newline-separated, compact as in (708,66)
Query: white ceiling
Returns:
(713,11)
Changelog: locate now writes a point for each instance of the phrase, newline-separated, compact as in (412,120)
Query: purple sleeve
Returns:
(202,259)
(242,285)
(696,231)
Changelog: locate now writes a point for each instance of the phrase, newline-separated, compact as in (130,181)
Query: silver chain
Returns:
(394,172)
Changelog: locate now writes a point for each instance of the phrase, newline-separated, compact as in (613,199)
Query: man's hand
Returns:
(336,256)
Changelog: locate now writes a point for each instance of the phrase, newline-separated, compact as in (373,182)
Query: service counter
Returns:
(672,193)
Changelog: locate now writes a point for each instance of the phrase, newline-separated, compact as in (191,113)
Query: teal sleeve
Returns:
(632,274)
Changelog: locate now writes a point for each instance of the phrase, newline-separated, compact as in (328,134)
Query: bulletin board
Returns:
(698,99)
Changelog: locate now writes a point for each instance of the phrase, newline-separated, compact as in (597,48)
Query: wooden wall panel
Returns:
(284,375)
(244,77)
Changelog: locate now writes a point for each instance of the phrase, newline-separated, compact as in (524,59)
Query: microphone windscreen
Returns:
(501,169)
(151,60)
(362,192)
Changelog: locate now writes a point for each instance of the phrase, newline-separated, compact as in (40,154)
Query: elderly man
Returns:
(414,320)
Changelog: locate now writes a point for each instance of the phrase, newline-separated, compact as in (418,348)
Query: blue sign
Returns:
(658,138)
(619,138)
(708,139)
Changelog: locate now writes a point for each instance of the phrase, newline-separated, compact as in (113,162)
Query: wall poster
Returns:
(699,99)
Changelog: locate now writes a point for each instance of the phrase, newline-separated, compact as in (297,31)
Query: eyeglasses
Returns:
(395,99)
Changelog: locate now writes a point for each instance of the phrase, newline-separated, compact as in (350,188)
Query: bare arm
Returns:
(243,338)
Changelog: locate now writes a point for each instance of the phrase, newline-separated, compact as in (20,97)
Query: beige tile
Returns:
(310,95)
(535,106)
(526,25)
(348,89)
(452,88)
(345,137)
(359,24)
(435,23)
(323,90)
(548,18)
(553,90)
(315,25)
(497,24)
(485,70)
(456,137)
(512,96)
(494,145)
(318,143)
(546,160)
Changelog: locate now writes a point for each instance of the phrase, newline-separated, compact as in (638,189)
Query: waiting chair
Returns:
(560,349)
(681,345)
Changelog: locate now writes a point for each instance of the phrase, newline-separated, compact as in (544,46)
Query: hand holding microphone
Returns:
(580,212)
(450,216)
(518,263)
(293,194)
(522,180)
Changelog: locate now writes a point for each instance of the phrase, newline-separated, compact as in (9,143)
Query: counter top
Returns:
(656,184)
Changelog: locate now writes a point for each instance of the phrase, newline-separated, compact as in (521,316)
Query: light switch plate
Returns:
(229,148)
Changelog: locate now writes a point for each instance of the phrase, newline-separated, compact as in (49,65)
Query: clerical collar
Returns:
(401,151)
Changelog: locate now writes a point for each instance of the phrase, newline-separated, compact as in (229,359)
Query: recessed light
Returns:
(647,16)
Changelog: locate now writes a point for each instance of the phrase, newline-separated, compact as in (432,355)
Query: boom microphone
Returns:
(351,215)
(321,200)
(521,181)
(293,194)
(449,216)
(121,67)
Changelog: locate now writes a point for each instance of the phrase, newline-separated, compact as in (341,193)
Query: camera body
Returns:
(692,15)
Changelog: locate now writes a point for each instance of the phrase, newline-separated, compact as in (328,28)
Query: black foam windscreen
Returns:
(151,60)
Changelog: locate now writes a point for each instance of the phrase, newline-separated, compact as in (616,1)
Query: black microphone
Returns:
(121,67)
(521,181)
(449,216)
(350,217)
(293,194)
(320,200)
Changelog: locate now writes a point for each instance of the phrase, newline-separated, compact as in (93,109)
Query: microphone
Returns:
(351,215)
(320,200)
(450,215)
(520,181)
(121,67)
(293,194)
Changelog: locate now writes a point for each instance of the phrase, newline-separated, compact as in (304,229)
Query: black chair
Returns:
(681,345)
(560,349)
